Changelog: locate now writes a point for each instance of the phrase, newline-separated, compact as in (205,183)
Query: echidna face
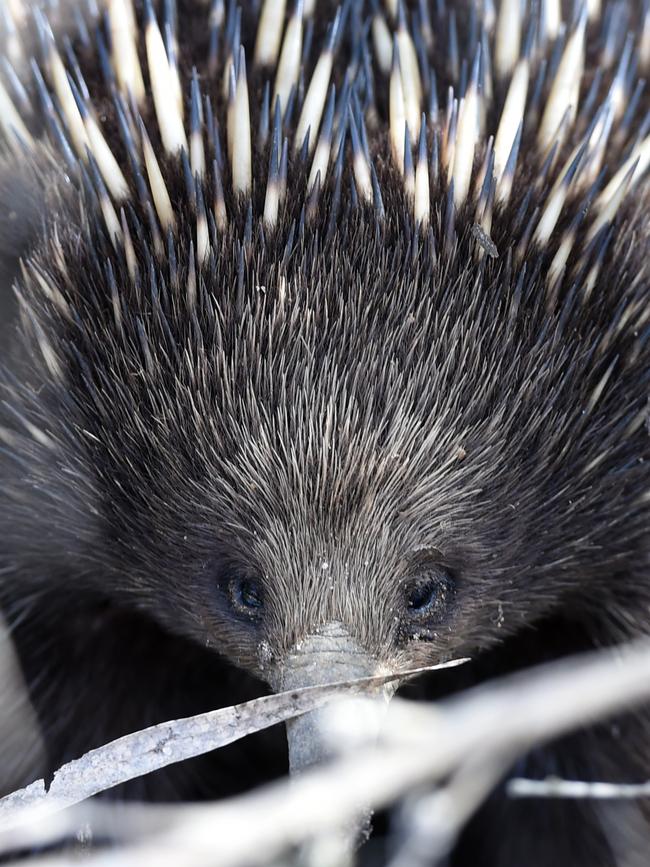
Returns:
(298,450)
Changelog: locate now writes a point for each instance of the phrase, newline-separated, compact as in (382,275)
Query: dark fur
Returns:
(332,411)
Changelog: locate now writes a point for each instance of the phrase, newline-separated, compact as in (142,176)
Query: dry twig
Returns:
(553,787)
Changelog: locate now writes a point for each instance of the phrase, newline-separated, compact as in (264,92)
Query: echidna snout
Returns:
(331,655)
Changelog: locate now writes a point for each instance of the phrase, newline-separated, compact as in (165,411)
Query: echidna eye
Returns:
(246,596)
(426,596)
(421,594)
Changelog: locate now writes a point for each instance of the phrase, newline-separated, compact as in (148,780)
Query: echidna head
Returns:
(337,467)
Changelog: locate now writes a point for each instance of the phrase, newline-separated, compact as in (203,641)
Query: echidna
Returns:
(333,359)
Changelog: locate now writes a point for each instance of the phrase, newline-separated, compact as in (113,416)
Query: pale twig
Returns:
(432,822)
(158,746)
(553,787)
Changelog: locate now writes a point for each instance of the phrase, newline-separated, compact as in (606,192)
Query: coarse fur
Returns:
(333,399)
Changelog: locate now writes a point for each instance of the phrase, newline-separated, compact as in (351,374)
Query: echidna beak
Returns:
(328,656)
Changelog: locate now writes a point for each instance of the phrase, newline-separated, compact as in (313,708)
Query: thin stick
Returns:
(552,787)
(158,746)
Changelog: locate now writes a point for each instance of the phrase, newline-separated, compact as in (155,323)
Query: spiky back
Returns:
(367,271)
(461,103)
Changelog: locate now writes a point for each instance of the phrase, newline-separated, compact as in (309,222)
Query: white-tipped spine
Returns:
(220,213)
(241,159)
(508,37)
(411,82)
(108,165)
(558,265)
(197,154)
(383,42)
(174,74)
(271,204)
(163,87)
(269,32)
(550,215)
(565,90)
(644,42)
(272,196)
(421,201)
(409,168)
(197,151)
(110,219)
(639,161)
(397,116)
(289,64)
(202,233)
(321,158)
(312,109)
(230,111)
(594,9)
(125,52)
(68,103)
(551,19)
(127,243)
(161,199)
(466,139)
(511,116)
(360,165)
